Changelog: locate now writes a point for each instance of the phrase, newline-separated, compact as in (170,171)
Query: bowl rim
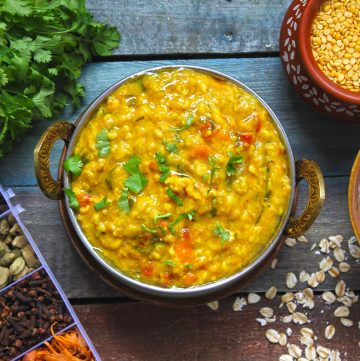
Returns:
(309,62)
(198,291)
(354,196)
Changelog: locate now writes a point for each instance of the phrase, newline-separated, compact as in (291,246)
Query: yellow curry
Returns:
(179,178)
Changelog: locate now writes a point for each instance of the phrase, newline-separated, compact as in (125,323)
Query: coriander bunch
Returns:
(43,47)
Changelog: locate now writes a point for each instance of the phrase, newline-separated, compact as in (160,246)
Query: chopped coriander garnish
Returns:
(123,202)
(189,265)
(73,202)
(160,158)
(189,120)
(164,169)
(170,263)
(162,216)
(222,233)
(102,204)
(74,165)
(103,143)
(150,230)
(137,181)
(231,164)
(174,197)
(189,215)
(170,147)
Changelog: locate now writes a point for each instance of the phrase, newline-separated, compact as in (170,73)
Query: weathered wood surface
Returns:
(43,221)
(312,135)
(193,26)
(139,332)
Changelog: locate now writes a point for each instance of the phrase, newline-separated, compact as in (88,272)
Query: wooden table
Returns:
(239,38)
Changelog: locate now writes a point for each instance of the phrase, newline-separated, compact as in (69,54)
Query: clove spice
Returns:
(27,311)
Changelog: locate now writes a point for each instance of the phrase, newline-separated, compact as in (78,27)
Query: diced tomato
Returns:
(152,165)
(84,199)
(206,130)
(247,138)
(201,151)
(183,251)
(186,233)
(189,278)
(147,270)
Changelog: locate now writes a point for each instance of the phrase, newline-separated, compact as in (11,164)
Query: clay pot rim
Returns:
(310,64)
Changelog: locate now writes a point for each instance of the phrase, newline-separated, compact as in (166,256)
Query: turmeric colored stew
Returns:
(179,179)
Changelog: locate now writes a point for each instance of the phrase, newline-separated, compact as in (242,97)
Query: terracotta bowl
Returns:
(354,197)
(308,80)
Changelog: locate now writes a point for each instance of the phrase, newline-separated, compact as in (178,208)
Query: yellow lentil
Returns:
(335,38)
(237,213)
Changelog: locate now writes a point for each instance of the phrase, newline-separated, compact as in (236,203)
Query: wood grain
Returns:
(193,26)
(139,332)
(43,221)
(312,135)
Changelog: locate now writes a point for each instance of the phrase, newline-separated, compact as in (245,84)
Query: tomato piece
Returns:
(152,165)
(84,199)
(186,233)
(201,151)
(189,278)
(247,138)
(147,270)
(183,251)
(206,130)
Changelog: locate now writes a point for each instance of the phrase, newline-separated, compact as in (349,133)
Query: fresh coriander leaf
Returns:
(189,215)
(231,164)
(170,263)
(165,172)
(103,143)
(189,120)
(174,197)
(123,201)
(74,165)
(150,230)
(132,165)
(160,158)
(17,7)
(162,216)
(73,202)
(164,169)
(102,204)
(222,233)
(170,147)
(189,266)
(137,181)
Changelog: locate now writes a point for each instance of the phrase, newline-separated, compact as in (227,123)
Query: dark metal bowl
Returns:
(289,226)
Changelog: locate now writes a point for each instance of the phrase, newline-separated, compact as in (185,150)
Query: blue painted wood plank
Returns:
(193,26)
(312,135)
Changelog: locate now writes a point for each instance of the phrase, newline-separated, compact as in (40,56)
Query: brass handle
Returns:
(310,171)
(58,130)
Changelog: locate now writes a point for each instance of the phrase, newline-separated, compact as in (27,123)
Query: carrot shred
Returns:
(68,346)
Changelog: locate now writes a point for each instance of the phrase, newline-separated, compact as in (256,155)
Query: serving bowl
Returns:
(289,225)
(303,73)
(354,197)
